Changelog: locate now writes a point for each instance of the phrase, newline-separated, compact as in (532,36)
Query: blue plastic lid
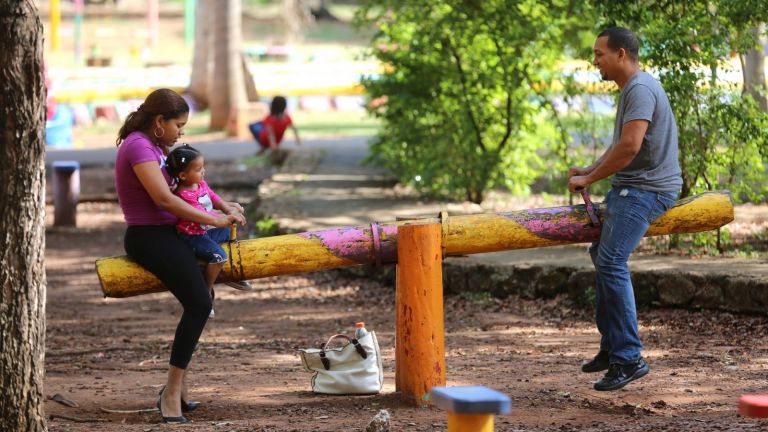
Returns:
(66,165)
(471,400)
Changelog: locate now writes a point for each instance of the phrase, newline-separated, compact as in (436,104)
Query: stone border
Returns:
(652,288)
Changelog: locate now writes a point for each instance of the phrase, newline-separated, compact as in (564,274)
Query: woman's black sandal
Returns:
(185,406)
(170,420)
(189,406)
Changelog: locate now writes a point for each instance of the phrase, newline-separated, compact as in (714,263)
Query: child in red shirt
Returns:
(269,132)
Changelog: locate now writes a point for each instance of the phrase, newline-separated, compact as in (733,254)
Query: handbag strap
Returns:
(327,362)
(359,348)
(325,347)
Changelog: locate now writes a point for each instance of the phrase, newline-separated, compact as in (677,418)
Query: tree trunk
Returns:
(198,81)
(296,17)
(22,222)
(202,61)
(320,11)
(250,84)
(227,90)
(754,69)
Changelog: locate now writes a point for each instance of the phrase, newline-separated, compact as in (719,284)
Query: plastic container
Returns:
(754,405)
(360,330)
(58,130)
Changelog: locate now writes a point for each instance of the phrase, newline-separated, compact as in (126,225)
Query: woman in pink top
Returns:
(187,167)
(151,211)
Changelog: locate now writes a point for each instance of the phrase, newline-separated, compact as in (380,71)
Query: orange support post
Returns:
(420,327)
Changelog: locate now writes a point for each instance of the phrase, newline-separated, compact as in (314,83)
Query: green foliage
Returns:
(266,227)
(586,298)
(723,136)
(477,297)
(710,242)
(716,242)
(467,96)
(256,161)
(459,91)
(259,224)
(579,139)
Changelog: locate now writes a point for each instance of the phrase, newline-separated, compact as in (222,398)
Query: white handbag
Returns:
(354,368)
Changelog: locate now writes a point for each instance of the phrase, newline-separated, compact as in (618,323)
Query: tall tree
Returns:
(198,81)
(753,67)
(460,90)
(227,90)
(723,137)
(215,39)
(296,17)
(22,223)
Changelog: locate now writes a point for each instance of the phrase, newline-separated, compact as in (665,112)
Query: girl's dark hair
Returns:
(278,106)
(164,102)
(179,159)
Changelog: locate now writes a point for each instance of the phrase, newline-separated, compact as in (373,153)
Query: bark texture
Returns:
(210,39)
(227,87)
(201,66)
(22,223)
(754,68)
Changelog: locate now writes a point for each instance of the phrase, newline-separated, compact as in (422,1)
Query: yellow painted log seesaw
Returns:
(377,243)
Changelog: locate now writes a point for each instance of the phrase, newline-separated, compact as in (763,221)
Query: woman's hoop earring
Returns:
(162,132)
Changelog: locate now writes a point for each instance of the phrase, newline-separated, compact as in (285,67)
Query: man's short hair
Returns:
(620,37)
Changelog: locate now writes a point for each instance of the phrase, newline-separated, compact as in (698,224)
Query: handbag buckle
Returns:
(359,348)
(324,359)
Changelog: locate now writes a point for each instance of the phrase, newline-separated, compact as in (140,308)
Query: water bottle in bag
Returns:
(360,330)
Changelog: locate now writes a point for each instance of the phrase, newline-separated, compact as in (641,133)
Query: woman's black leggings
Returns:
(159,249)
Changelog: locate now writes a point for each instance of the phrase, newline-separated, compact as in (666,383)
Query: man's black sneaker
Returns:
(597,364)
(619,375)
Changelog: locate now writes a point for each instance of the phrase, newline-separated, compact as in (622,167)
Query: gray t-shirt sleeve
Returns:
(640,104)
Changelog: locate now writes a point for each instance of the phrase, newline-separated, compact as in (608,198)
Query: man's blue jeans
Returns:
(628,214)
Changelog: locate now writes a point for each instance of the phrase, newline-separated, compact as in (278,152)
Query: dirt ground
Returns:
(111,354)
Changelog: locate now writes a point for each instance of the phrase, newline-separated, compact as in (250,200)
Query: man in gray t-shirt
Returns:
(655,167)
(646,180)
